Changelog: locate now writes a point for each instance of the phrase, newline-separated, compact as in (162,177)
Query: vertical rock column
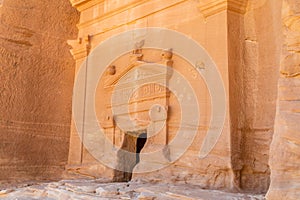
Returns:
(285,147)
(253,76)
(258,73)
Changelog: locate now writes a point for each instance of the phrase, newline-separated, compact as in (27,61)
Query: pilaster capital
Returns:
(212,7)
(80,48)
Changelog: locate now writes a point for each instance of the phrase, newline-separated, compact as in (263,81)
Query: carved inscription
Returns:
(149,91)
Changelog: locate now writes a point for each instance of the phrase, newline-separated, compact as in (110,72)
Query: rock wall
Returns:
(36,80)
(285,147)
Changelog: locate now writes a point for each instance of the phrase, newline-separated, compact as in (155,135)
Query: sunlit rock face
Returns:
(36,80)
(285,150)
(254,45)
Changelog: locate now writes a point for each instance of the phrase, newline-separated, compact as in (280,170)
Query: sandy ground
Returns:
(96,189)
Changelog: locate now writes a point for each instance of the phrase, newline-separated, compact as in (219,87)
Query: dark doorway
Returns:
(141,141)
(133,142)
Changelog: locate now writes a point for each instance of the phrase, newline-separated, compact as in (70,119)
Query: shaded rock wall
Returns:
(36,80)
(285,147)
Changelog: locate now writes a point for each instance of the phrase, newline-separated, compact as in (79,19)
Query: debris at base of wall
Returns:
(93,189)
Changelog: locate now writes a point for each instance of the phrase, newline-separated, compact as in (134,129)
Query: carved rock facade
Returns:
(230,32)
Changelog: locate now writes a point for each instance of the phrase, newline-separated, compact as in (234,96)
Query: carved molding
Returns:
(81,5)
(81,47)
(111,13)
(77,2)
(212,7)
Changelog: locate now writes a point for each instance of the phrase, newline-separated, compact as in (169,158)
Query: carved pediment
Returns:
(136,76)
(133,74)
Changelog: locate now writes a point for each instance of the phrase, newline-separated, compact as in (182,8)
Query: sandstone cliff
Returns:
(285,147)
(36,80)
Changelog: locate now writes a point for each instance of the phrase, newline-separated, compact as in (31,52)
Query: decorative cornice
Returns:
(110,13)
(212,7)
(81,5)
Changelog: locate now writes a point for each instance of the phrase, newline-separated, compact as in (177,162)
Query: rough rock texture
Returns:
(285,147)
(87,189)
(36,80)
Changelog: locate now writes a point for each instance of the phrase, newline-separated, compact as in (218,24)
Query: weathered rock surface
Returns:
(36,80)
(94,189)
(285,147)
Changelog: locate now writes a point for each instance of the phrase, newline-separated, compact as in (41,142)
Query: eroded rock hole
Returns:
(133,142)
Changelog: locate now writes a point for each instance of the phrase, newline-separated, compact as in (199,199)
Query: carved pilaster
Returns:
(212,7)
